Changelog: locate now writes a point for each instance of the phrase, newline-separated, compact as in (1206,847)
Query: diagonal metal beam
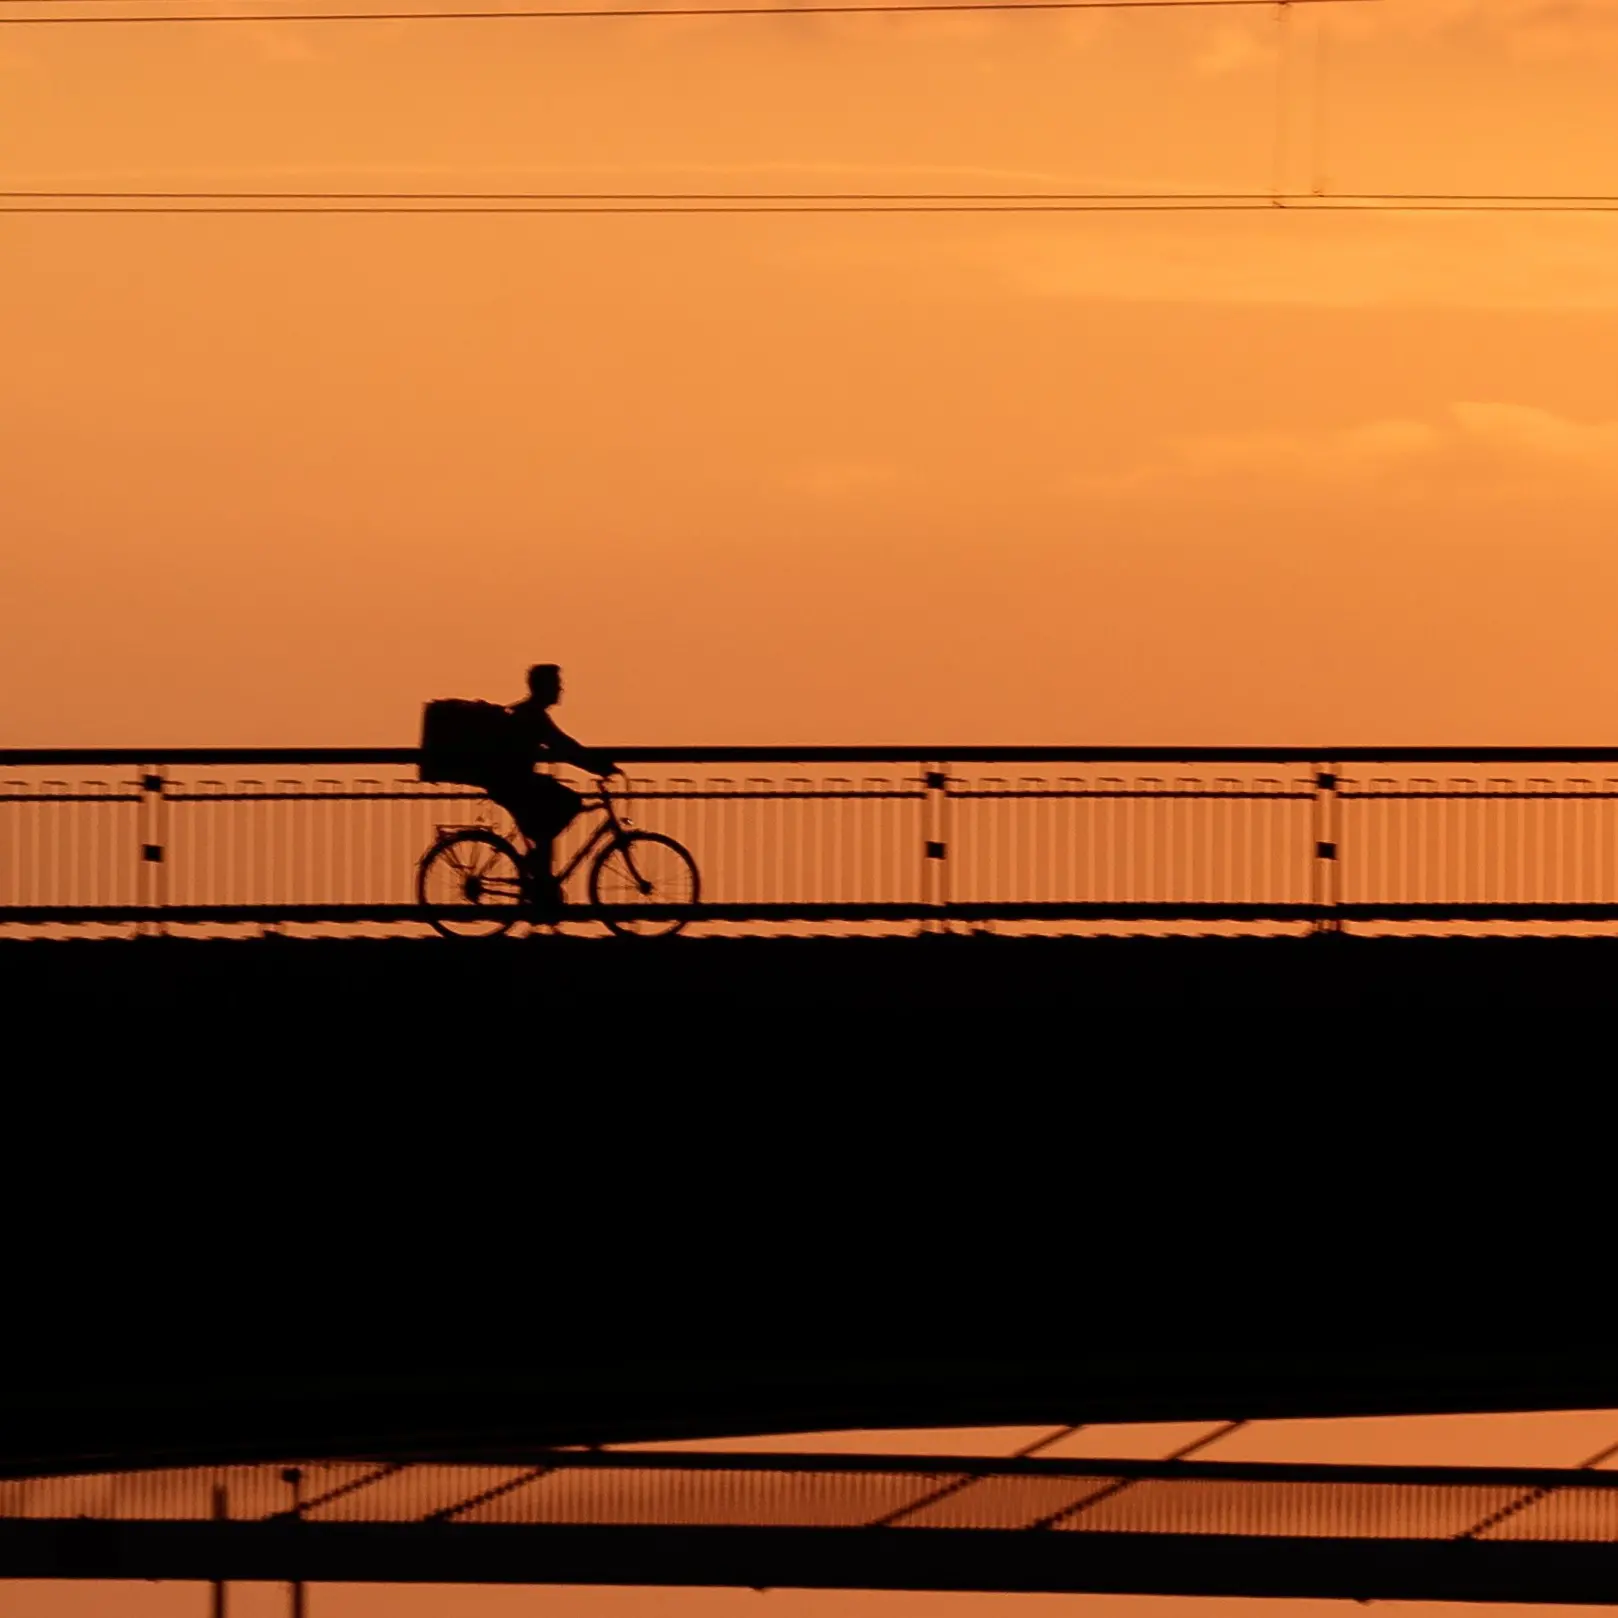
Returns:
(959,1484)
(1534,1496)
(1107,1491)
(486,1495)
(353,1486)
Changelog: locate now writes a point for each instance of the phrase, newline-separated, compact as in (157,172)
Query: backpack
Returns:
(464,741)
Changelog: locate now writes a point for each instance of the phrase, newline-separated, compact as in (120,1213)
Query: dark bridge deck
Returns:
(874,1522)
(368,982)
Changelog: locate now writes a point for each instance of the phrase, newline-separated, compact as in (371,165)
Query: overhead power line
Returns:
(759,202)
(813,9)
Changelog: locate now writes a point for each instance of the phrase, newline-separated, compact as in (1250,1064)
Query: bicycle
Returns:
(474,883)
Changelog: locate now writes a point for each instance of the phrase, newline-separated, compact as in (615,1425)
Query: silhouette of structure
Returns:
(517,1515)
(466,1475)
(857,838)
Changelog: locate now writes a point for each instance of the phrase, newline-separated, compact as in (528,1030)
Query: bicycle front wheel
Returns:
(644,868)
(470,884)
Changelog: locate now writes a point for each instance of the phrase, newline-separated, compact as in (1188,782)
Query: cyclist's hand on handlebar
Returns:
(605,767)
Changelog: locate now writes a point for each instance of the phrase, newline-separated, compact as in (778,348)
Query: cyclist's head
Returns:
(545,683)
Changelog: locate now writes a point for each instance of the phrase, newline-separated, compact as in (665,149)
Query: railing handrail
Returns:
(985,1468)
(990,1466)
(56,757)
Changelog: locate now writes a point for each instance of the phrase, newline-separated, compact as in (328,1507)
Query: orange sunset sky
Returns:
(1095,479)
(1557,1439)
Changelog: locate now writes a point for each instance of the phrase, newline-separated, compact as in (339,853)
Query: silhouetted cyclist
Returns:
(540,804)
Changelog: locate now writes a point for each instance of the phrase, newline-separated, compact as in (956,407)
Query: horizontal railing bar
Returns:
(1021,795)
(1313,1473)
(915,911)
(977,1466)
(1482,797)
(898,754)
(724,794)
(1134,795)
(1101,910)
(794,1463)
(156,756)
(854,795)
(430,797)
(1032,794)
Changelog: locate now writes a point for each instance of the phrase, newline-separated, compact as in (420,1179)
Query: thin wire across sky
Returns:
(351,203)
(556,203)
(812,9)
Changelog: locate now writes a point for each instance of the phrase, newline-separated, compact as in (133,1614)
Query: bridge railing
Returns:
(876,1493)
(850,838)
(835,1522)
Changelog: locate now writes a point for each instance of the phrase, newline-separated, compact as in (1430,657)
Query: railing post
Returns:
(153,882)
(294,1476)
(1326,890)
(221,1513)
(935,842)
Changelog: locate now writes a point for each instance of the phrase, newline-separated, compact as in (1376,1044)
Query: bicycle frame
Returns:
(482,891)
(608,829)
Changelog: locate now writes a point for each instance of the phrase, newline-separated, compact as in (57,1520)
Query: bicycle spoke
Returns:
(643,869)
(471,886)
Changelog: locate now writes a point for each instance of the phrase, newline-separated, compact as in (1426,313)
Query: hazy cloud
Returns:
(1483,448)
(1248,42)
(1533,25)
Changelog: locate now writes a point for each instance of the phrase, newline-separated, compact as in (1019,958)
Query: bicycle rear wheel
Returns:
(470,884)
(644,868)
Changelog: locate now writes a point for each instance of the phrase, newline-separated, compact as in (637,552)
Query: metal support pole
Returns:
(1327,871)
(935,843)
(153,806)
(294,1476)
(221,1513)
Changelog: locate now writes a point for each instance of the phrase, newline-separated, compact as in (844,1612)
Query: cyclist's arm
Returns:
(560,745)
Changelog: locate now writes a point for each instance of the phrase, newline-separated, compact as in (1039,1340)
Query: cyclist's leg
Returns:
(532,808)
(551,807)
(510,792)
(555,805)
(543,808)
